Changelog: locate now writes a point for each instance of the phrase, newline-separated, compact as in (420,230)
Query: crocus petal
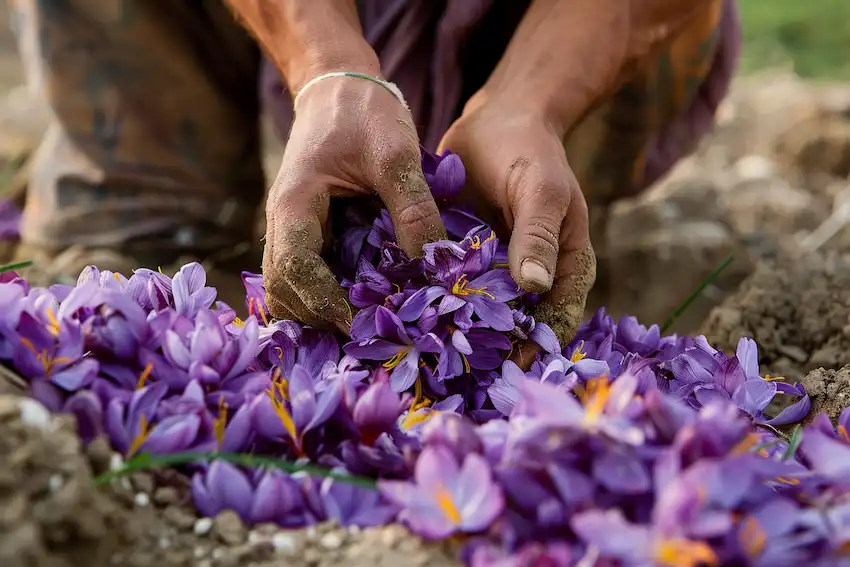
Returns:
(428,342)
(747,355)
(497,283)
(754,395)
(450,303)
(390,327)
(478,498)
(497,315)
(363,325)
(175,433)
(503,395)
(543,335)
(794,413)
(231,487)
(373,349)
(416,303)
(404,375)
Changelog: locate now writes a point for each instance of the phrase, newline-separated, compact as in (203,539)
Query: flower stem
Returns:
(14,266)
(696,292)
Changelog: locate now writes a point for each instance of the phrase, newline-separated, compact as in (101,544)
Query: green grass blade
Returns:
(148,462)
(696,293)
(796,438)
(15,266)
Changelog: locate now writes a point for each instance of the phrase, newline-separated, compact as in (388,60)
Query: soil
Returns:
(51,514)
(796,308)
(829,391)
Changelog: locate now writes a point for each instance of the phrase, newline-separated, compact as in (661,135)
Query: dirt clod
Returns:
(829,391)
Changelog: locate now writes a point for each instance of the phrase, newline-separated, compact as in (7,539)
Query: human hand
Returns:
(350,137)
(517,171)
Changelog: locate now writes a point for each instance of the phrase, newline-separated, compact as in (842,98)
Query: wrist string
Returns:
(396,92)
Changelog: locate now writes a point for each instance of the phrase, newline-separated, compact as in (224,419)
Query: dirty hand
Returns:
(517,168)
(350,137)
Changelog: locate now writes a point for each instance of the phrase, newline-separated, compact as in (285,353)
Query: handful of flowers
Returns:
(663,441)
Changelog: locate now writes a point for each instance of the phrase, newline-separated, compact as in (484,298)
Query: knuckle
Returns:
(419,211)
(543,238)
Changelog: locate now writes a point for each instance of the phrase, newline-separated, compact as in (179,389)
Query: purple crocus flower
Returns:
(129,424)
(446,497)
(376,411)
(400,347)
(270,496)
(473,348)
(445,174)
(350,505)
(461,274)
(152,290)
(189,287)
(54,351)
(292,408)
(637,544)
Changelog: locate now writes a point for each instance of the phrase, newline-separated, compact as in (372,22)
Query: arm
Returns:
(307,39)
(566,56)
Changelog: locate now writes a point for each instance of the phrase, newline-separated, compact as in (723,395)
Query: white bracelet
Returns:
(386,84)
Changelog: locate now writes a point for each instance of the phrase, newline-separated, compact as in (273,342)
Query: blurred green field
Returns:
(811,35)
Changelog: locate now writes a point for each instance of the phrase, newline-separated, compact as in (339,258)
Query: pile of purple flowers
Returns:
(662,441)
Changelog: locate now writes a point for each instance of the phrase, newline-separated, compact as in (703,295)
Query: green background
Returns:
(811,35)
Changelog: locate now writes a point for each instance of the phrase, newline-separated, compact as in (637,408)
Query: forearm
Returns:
(306,39)
(567,55)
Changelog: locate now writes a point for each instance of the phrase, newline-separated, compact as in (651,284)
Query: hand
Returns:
(517,167)
(350,137)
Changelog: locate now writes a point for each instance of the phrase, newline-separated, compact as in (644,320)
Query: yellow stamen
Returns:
(254,305)
(594,399)
(283,414)
(279,352)
(752,537)
(578,354)
(48,363)
(239,322)
(220,422)
(842,431)
(461,287)
(447,505)
(139,440)
(500,265)
(159,269)
(684,553)
(791,481)
(117,277)
(396,359)
(476,240)
(465,363)
(143,377)
(750,441)
(53,327)
(414,417)
(768,378)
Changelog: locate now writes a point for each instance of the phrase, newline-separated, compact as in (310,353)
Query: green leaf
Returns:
(15,266)
(696,293)
(148,462)
(796,438)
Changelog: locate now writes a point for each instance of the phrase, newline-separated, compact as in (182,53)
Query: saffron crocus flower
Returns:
(461,274)
(400,347)
(445,174)
(128,424)
(474,348)
(152,290)
(376,411)
(54,351)
(189,287)
(292,408)
(207,353)
(271,496)
(446,497)
(637,544)
(350,505)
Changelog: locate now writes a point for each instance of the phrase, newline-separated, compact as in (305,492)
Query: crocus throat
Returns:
(447,505)
(461,287)
(684,553)
(48,362)
(396,359)
(578,354)
(594,398)
(752,537)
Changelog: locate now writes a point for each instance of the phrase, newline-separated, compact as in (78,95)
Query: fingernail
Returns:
(535,275)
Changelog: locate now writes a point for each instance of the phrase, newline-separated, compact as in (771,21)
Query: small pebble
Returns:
(285,544)
(229,528)
(311,533)
(166,495)
(202,526)
(34,414)
(141,499)
(332,540)
(115,462)
(199,552)
(55,482)
(164,543)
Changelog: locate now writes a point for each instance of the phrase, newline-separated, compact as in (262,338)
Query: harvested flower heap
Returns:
(623,448)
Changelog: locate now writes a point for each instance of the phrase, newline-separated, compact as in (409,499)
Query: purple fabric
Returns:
(420,43)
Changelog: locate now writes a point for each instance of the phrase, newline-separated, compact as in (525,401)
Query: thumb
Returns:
(539,213)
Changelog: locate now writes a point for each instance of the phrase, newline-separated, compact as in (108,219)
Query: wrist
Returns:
(308,39)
